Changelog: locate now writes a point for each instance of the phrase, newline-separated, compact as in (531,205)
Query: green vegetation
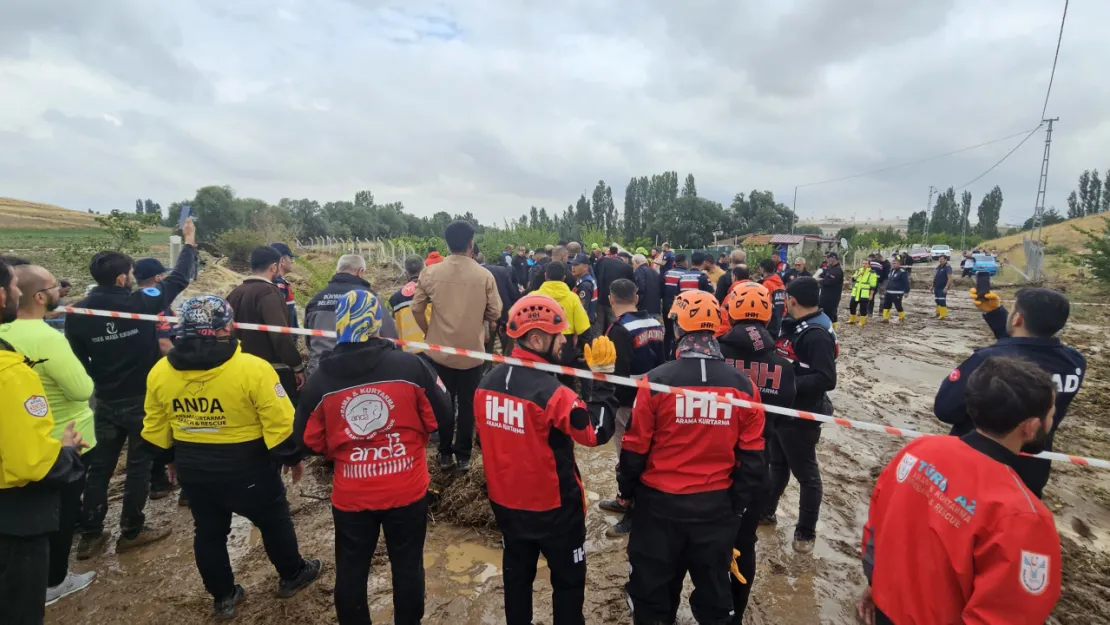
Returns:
(16,240)
(1098,255)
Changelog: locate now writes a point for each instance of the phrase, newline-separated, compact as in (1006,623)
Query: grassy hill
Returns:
(1061,242)
(23,215)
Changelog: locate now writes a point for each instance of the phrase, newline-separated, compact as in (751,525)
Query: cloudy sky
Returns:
(493,106)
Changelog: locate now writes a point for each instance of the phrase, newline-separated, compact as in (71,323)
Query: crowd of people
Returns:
(955,532)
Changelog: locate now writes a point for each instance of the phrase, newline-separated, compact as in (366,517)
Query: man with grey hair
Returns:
(738,257)
(349,276)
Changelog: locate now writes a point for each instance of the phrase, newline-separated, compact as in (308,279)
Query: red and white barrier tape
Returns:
(590,375)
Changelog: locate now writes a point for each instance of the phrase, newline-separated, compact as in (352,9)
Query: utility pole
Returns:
(1038,207)
(794,211)
(928,214)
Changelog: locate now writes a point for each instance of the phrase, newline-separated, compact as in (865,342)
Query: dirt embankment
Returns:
(887,374)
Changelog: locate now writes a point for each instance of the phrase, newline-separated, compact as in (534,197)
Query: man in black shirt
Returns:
(832,287)
(520,267)
(607,271)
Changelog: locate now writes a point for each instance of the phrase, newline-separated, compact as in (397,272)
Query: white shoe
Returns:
(73,582)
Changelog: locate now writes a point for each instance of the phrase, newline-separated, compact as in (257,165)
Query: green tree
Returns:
(915,227)
(965,212)
(1074,208)
(1105,206)
(1094,193)
(632,227)
(1098,254)
(847,234)
(598,206)
(946,214)
(808,230)
(990,207)
(689,189)
(1051,216)
(582,211)
(139,209)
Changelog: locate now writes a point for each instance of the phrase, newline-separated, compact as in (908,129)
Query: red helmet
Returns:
(535,312)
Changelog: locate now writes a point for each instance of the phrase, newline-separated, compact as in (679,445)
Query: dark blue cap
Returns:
(147,268)
(283,249)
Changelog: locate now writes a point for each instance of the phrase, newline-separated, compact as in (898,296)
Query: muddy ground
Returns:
(888,374)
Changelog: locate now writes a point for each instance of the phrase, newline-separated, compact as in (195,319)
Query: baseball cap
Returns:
(832,255)
(283,249)
(580,259)
(203,316)
(147,268)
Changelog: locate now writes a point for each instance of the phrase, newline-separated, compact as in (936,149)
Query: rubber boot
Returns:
(836,326)
(851,319)
(886,315)
(901,317)
(938,312)
(862,320)
(942,311)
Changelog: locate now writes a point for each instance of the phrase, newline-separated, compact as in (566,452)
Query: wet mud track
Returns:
(887,374)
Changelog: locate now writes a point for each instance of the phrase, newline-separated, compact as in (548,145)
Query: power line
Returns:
(1051,76)
(976,178)
(916,162)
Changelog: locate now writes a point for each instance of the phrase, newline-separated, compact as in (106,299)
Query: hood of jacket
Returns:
(555,289)
(205,356)
(353,360)
(433,259)
(744,335)
(346,278)
(773,283)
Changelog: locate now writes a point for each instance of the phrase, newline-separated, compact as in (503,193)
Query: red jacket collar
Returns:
(523,354)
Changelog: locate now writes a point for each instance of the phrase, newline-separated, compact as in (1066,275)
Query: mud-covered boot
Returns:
(91,546)
(145,536)
(310,570)
(621,529)
(224,609)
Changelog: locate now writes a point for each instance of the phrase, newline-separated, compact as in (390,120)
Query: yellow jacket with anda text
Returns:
(221,410)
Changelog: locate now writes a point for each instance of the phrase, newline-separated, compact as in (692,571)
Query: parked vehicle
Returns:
(919,254)
(985,262)
(940,250)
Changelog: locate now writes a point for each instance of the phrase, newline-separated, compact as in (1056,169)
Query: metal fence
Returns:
(375,251)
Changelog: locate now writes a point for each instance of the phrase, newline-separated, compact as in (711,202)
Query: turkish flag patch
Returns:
(954,376)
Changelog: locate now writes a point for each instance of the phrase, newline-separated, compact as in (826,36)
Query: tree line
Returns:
(952,216)
(1091,197)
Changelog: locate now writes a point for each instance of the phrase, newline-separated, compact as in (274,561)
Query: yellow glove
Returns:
(601,355)
(735,568)
(989,303)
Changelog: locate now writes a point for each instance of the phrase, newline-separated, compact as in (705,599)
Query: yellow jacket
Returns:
(238,401)
(714,274)
(27,451)
(577,320)
(864,282)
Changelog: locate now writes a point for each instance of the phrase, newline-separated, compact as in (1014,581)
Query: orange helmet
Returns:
(749,301)
(696,311)
(535,312)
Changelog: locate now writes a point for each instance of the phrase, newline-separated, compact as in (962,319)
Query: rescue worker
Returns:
(897,287)
(748,347)
(577,331)
(678,280)
(399,303)
(1029,332)
(319,314)
(882,267)
(118,355)
(637,337)
(832,288)
(585,287)
(68,389)
(692,466)
(809,343)
(772,281)
(371,408)
(864,282)
(942,281)
(951,535)
(34,469)
(226,420)
(537,495)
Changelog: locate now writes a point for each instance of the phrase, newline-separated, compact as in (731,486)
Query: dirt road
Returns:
(888,374)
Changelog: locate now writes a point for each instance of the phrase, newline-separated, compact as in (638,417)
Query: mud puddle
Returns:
(888,373)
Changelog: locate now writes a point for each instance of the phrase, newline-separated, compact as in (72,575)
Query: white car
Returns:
(940,250)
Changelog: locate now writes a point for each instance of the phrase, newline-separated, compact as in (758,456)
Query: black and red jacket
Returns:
(528,423)
(748,346)
(693,458)
(811,346)
(371,407)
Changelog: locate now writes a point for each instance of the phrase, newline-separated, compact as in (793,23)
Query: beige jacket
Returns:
(464,296)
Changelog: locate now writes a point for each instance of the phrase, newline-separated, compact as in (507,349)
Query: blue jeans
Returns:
(117,423)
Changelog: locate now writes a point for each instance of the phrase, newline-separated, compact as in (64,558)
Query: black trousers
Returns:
(892,299)
(746,540)
(864,306)
(793,451)
(660,553)
(830,304)
(23,573)
(61,540)
(356,538)
(261,499)
(117,423)
(566,559)
(668,338)
(462,385)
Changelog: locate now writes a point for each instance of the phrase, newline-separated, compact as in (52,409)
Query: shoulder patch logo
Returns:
(279,390)
(909,461)
(366,412)
(1034,572)
(36,406)
(152,291)
(954,376)
(409,289)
